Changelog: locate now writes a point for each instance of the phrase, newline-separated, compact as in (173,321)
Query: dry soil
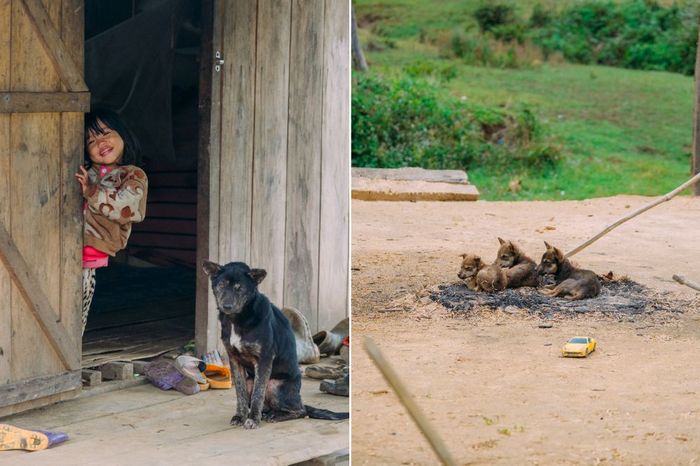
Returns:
(493,383)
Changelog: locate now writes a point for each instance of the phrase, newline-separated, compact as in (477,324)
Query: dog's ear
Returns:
(210,268)
(258,275)
(549,246)
(558,254)
(463,256)
(500,240)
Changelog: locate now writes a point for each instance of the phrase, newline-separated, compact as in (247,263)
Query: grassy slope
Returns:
(622,131)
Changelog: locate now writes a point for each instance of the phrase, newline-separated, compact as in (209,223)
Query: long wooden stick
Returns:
(612,226)
(684,281)
(419,418)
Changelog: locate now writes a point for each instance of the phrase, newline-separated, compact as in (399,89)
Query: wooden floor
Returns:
(144,425)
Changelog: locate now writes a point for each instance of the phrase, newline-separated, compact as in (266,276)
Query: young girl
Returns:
(114,190)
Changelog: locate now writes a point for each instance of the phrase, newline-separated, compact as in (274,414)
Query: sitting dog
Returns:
(481,277)
(569,282)
(261,348)
(519,268)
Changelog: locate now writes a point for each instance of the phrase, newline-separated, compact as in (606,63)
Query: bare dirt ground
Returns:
(493,384)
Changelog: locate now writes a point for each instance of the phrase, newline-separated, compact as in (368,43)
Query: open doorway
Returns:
(142,60)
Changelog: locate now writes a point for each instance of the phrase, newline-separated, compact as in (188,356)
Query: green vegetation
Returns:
(594,130)
(409,122)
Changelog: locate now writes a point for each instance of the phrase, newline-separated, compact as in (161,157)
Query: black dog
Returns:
(261,348)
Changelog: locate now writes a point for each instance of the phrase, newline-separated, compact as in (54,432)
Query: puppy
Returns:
(519,268)
(261,348)
(569,282)
(479,276)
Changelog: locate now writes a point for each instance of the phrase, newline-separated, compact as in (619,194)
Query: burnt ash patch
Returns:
(619,296)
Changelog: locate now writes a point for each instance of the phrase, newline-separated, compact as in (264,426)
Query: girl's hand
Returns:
(83,179)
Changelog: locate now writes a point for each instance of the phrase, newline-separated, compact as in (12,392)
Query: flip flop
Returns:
(218,377)
(14,438)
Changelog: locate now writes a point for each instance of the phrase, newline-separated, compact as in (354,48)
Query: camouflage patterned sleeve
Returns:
(124,202)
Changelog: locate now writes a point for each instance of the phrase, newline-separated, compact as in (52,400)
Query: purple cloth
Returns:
(163,374)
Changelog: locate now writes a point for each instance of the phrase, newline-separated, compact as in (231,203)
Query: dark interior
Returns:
(142,60)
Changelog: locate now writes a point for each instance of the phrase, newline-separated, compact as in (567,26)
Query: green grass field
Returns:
(621,131)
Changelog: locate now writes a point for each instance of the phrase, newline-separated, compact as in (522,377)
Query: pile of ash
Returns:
(618,296)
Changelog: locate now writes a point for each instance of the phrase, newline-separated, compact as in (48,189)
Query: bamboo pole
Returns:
(417,415)
(684,281)
(619,222)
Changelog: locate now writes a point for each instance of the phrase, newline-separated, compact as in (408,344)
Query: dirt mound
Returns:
(619,296)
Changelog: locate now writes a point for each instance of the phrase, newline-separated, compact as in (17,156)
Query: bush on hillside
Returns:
(407,122)
(639,34)
(492,16)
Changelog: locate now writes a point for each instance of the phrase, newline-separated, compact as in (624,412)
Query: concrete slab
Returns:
(411,174)
(411,184)
(145,425)
(368,189)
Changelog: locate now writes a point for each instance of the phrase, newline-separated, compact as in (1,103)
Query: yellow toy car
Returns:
(578,347)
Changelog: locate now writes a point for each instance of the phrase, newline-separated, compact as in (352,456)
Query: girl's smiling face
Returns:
(106,147)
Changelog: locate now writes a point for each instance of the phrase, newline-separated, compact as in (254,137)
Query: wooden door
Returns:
(275,154)
(42,97)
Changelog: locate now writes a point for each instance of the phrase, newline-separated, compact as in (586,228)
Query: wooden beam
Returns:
(35,102)
(209,146)
(37,301)
(55,48)
(39,387)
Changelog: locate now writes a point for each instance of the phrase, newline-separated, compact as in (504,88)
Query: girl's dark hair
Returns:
(110,119)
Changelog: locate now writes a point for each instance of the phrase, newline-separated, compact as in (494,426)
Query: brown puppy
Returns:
(519,268)
(570,282)
(480,276)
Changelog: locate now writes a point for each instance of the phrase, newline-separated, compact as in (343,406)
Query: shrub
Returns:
(491,16)
(540,16)
(638,34)
(407,122)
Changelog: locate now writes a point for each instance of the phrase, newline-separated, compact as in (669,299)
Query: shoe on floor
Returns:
(329,343)
(340,387)
(166,375)
(323,372)
(218,377)
(192,368)
(14,438)
(307,351)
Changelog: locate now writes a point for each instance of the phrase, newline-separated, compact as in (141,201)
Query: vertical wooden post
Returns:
(357,55)
(696,120)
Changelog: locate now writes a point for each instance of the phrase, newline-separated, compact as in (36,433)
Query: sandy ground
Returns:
(494,385)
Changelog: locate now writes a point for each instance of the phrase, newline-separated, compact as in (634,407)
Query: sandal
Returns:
(14,438)
(218,377)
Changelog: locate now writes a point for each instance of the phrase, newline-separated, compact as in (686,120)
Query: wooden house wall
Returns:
(40,150)
(279,157)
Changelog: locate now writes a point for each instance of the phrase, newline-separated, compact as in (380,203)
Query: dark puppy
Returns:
(570,282)
(519,268)
(261,347)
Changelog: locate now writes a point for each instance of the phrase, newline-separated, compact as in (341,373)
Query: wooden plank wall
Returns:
(281,195)
(39,199)
(334,248)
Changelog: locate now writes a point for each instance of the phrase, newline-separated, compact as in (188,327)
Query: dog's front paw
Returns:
(250,424)
(237,420)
